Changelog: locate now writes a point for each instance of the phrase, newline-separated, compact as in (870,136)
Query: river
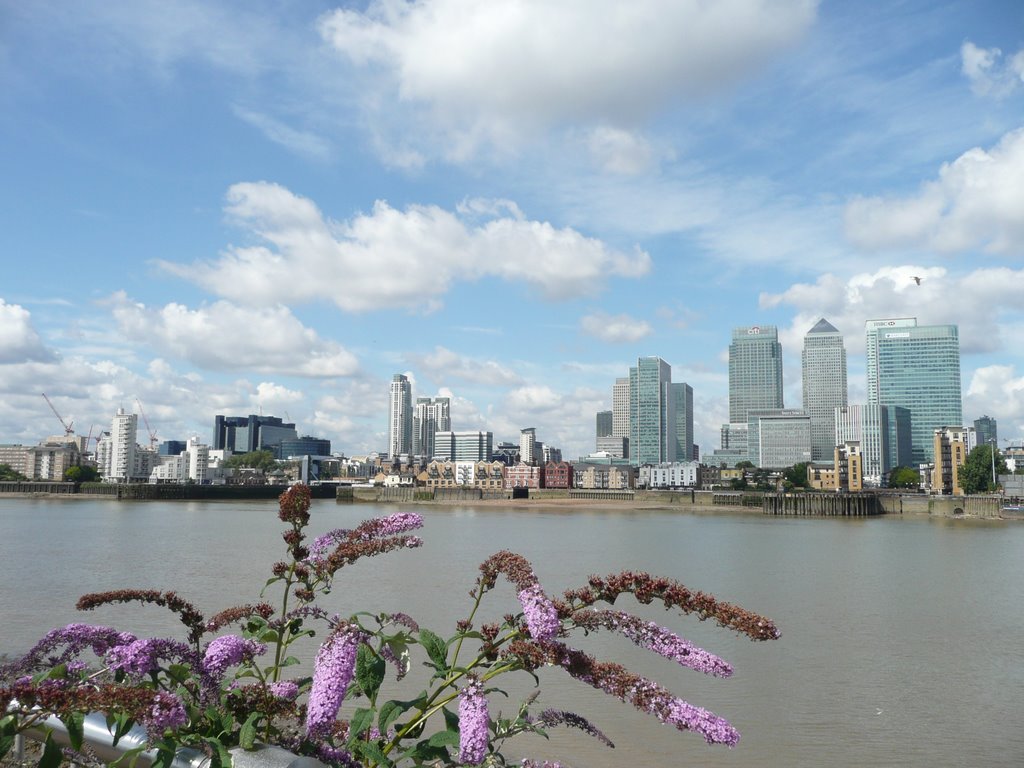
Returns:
(902,638)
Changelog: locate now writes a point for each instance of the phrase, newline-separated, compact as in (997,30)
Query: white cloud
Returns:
(494,72)
(619,151)
(224,337)
(891,292)
(976,202)
(300,142)
(997,390)
(19,341)
(392,258)
(615,329)
(988,74)
(442,365)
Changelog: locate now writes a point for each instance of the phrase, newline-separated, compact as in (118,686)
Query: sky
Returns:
(272,207)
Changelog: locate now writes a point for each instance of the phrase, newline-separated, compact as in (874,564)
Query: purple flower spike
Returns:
(714,729)
(141,657)
(166,712)
(391,525)
(287,690)
(473,722)
(228,651)
(335,665)
(322,545)
(541,616)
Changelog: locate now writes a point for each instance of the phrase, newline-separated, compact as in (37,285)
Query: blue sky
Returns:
(241,207)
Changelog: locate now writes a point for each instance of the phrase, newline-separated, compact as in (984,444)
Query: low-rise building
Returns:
(558,474)
(524,475)
(672,474)
(951,445)
(846,475)
(607,477)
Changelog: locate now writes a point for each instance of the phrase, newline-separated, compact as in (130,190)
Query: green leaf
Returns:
(8,731)
(451,719)
(370,750)
(75,723)
(247,735)
(444,739)
(58,672)
(389,712)
(179,673)
(291,661)
(129,758)
(52,754)
(369,671)
(426,751)
(435,648)
(123,724)
(360,724)
(269,636)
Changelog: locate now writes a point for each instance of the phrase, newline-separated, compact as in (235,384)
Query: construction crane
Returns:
(152,434)
(69,429)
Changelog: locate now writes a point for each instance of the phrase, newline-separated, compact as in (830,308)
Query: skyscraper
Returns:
(682,395)
(916,367)
(430,415)
(123,437)
(985,427)
(620,407)
(603,424)
(400,416)
(652,427)
(755,371)
(528,445)
(824,384)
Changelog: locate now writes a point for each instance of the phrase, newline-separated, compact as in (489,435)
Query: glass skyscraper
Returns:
(755,371)
(400,416)
(916,367)
(824,385)
(650,406)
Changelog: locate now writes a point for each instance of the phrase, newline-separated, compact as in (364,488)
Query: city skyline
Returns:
(214,208)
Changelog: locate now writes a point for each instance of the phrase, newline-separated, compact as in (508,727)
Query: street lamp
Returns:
(993,441)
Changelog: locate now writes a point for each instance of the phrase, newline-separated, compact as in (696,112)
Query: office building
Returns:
(529,453)
(304,446)
(916,367)
(985,429)
(245,434)
(652,427)
(682,405)
(463,446)
(430,415)
(603,424)
(400,416)
(620,408)
(755,371)
(778,438)
(824,385)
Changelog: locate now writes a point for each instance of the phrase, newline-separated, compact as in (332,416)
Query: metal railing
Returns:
(98,736)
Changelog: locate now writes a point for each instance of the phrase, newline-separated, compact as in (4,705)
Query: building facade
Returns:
(620,407)
(529,452)
(755,371)
(778,438)
(824,385)
(463,446)
(917,367)
(652,427)
(245,434)
(951,445)
(430,415)
(400,416)
(985,429)
(682,396)
(603,424)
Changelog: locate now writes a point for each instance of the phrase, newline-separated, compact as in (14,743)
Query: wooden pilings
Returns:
(821,504)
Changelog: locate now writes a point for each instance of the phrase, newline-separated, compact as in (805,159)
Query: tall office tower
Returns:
(778,437)
(400,416)
(682,395)
(620,408)
(985,428)
(873,330)
(603,424)
(430,415)
(652,421)
(916,367)
(824,373)
(528,452)
(755,371)
(123,437)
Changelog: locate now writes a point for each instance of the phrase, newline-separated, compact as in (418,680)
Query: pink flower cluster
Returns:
(541,616)
(332,674)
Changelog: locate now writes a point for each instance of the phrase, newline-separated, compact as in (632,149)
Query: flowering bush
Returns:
(233,690)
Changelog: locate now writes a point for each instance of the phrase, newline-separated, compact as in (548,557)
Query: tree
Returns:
(263,460)
(6,473)
(976,473)
(904,477)
(744,464)
(81,474)
(796,476)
